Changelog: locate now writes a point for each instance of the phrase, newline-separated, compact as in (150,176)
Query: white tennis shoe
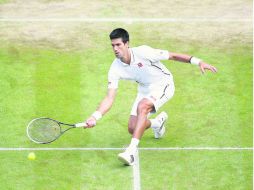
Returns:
(127,157)
(159,131)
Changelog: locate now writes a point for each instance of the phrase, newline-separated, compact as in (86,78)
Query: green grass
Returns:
(4,1)
(63,170)
(211,110)
(196,170)
(230,170)
(143,9)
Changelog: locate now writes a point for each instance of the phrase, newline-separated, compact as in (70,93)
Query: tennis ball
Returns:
(31,156)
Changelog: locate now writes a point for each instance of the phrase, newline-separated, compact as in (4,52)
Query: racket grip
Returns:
(81,125)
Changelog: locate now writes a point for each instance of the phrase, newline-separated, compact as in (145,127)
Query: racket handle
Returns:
(81,125)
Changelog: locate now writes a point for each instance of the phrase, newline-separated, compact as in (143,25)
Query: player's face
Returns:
(120,49)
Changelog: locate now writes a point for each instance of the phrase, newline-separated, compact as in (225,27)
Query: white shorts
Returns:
(158,94)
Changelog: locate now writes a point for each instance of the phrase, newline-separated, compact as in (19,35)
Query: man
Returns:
(155,87)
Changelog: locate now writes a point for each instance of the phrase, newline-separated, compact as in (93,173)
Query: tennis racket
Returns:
(46,130)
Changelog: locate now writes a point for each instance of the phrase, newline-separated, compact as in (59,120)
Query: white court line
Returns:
(148,148)
(125,20)
(136,173)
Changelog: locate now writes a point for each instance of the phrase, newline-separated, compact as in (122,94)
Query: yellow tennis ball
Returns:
(31,156)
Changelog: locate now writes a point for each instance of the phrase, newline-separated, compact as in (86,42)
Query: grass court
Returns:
(59,70)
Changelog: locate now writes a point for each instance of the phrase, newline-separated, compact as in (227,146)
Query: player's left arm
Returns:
(193,60)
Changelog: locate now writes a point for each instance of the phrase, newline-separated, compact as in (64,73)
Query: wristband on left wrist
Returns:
(97,115)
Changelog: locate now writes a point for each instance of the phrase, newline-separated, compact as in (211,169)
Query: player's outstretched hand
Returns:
(204,66)
(91,122)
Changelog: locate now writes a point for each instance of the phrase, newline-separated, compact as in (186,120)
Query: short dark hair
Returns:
(119,33)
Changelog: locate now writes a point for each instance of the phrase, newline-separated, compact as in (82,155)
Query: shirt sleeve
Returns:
(113,77)
(155,55)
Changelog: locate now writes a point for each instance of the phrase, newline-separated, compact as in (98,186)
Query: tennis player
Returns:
(155,87)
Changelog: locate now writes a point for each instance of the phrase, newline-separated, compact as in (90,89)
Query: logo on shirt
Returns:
(140,65)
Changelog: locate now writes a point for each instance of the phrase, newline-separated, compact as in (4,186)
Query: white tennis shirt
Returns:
(145,68)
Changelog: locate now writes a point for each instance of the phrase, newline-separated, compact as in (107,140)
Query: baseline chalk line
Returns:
(145,149)
(125,20)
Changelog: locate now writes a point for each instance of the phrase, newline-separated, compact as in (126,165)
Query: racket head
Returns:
(43,130)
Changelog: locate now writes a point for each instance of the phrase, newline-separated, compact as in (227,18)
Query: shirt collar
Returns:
(132,58)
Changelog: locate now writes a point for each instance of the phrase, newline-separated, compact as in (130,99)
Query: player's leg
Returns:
(160,95)
(133,115)
(157,124)
(133,122)
(137,125)
(145,106)
(154,100)
(138,121)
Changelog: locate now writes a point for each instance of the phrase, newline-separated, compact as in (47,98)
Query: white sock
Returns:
(133,145)
(154,123)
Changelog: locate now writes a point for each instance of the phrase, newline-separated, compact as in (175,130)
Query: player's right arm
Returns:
(103,108)
(107,102)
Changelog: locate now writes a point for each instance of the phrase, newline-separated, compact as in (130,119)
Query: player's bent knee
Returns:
(144,106)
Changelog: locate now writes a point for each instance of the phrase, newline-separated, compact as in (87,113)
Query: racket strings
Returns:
(44,130)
